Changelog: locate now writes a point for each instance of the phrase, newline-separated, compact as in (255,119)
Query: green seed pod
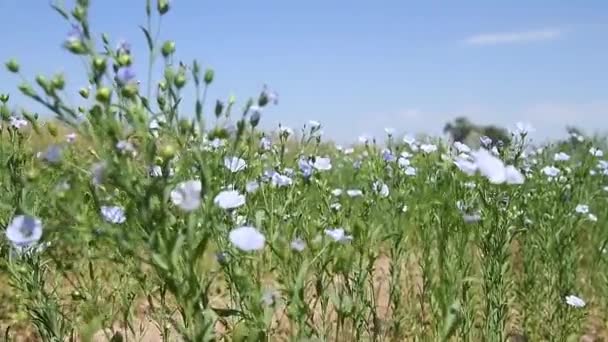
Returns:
(180,80)
(99,64)
(162,6)
(168,48)
(76,47)
(58,82)
(167,152)
(209,74)
(51,127)
(104,94)
(27,90)
(130,91)
(231,100)
(31,175)
(79,13)
(12,65)
(4,98)
(124,59)
(84,92)
(42,82)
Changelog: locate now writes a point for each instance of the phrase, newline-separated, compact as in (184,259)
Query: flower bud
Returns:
(168,48)
(209,76)
(4,98)
(104,94)
(219,108)
(12,65)
(162,6)
(254,119)
(76,47)
(231,100)
(31,174)
(42,82)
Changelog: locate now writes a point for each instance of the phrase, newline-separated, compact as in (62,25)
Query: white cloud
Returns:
(514,37)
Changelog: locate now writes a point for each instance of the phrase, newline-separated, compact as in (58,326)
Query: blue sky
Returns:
(360,66)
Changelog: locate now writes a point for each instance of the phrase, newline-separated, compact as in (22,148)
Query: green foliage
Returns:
(212,229)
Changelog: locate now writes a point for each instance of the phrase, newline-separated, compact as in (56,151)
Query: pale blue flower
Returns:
(485,141)
(428,148)
(53,154)
(187,195)
(252,186)
(354,192)
(24,231)
(113,214)
(298,244)
(575,301)
(305,167)
(338,235)
(410,171)
(561,156)
(230,199)
(247,239)
(235,164)
(322,163)
(280,180)
(124,75)
(550,171)
(381,188)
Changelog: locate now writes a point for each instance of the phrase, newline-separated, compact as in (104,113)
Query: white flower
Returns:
(408,139)
(582,209)
(113,214)
(17,122)
(550,171)
(280,180)
(389,131)
(265,143)
(592,217)
(494,169)
(410,171)
(24,231)
(269,297)
(349,150)
(322,164)
(466,166)
(354,192)
(155,171)
(596,152)
(252,186)
(335,206)
(314,124)
(523,128)
(461,148)
(561,156)
(70,137)
(575,301)
(381,189)
(230,199)
(403,162)
(471,218)
(187,195)
(298,244)
(513,175)
(338,235)
(247,238)
(485,141)
(235,164)
(428,148)
(284,130)
(336,192)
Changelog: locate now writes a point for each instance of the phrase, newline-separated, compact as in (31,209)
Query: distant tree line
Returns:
(463,130)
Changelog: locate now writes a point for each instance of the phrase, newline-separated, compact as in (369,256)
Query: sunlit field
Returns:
(139,217)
